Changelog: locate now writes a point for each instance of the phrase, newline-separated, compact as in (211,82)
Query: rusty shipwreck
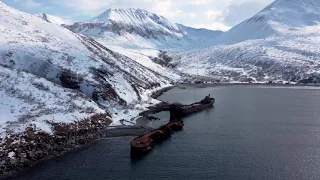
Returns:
(143,144)
(178,111)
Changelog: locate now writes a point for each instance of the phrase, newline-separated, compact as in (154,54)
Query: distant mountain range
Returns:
(280,43)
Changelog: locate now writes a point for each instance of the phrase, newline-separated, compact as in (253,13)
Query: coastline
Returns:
(101,133)
(48,158)
(30,148)
(22,151)
(185,85)
(159,92)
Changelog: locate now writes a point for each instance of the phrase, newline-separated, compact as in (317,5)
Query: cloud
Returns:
(199,2)
(32,4)
(29,3)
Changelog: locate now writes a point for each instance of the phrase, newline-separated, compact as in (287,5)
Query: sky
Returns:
(210,14)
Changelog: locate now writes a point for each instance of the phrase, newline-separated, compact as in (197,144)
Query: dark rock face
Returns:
(163,59)
(44,17)
(23,150)
(314,79)
(70,79)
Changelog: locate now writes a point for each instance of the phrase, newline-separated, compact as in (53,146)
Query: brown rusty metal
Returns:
(177,112)
(145,143)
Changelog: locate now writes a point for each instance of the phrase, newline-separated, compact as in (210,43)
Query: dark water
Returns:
(252,133)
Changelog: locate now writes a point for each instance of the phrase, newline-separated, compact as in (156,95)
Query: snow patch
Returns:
(11,155)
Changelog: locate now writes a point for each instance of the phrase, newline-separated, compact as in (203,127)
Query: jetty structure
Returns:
(145,143)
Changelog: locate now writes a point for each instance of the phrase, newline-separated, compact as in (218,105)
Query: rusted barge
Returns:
(180,111)
(143,144)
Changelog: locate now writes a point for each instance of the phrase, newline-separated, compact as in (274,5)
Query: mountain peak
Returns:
(128,21)
(293,12)
(282,17)
(117,14)
(134,16)
(3,4)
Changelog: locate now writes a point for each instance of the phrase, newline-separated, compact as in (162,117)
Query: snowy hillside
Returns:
(278,43)
(140,35)
(281,18)
(48,73)
(53,19)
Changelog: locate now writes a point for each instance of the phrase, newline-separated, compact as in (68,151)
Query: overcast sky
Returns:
(211,14)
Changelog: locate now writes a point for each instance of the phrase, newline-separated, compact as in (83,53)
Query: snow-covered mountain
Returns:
(53,19)
(137,28)
(137,21)
(140,35)
(281,18)
(50,74)
(129,27)
(278,43)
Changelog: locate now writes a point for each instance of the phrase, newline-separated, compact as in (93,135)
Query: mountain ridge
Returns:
(140,34)
(53,19)
(121,21)
(279,18)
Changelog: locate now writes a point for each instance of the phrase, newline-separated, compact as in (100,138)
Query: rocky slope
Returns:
(278,43)
(53,19)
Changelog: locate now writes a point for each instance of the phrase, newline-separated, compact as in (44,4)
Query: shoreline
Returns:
(11,167)
(160,92)
(186,85)
(23,151)
(144,118)
(48,158)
